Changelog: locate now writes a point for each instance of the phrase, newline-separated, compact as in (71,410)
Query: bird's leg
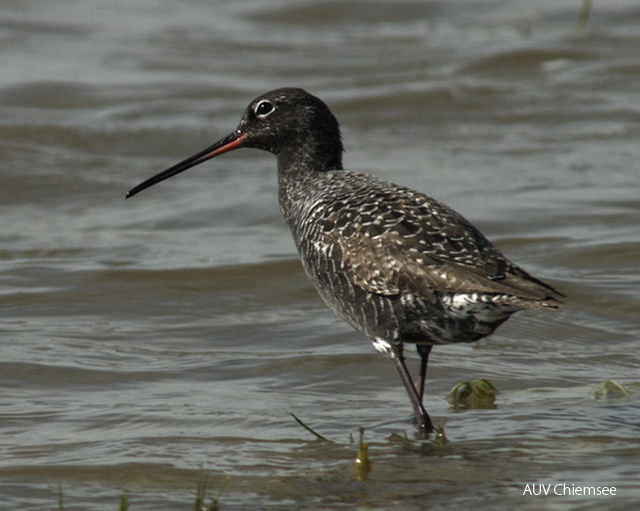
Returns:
(423,350)
(423,421)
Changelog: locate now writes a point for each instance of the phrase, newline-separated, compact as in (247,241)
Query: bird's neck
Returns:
(297,159)
(299,179)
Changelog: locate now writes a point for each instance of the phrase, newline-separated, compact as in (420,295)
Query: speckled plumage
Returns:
(396,264)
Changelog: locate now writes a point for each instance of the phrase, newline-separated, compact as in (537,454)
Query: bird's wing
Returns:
(397,240)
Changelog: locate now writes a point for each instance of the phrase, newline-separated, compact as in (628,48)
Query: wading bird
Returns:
(397,265)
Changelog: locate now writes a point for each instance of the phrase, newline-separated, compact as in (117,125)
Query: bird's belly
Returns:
(373,315)
(451,318)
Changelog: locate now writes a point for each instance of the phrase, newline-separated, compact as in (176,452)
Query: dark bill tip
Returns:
(229,143)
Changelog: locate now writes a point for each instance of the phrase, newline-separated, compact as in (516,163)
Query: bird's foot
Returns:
(423,425)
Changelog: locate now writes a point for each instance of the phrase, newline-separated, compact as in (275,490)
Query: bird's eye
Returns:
(264,108)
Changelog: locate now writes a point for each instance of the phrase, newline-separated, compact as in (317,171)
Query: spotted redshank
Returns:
(397,265)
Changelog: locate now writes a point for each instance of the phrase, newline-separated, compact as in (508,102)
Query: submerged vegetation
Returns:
(362,462)
(474,395)
(200,501)
(611,389)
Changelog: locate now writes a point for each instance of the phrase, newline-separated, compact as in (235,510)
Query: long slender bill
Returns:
(229,143)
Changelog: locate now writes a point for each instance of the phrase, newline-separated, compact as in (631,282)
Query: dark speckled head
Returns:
(294,125)
(291,121)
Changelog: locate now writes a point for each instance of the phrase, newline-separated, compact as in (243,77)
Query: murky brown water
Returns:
(145,341)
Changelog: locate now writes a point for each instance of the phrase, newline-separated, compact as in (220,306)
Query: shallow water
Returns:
(146,342)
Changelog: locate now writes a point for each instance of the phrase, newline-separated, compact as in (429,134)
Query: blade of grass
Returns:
(60,498)
(362,461)
(585,12)
(215,501)
(201,492)
(314,433)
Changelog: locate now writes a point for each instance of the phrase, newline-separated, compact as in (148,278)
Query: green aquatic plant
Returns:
(475,395)
(124,501)
(362,462)
(585,13)
(201,495)
(60,498)
(611,390)
(440,436)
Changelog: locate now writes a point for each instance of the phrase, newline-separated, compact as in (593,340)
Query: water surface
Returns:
(146,342)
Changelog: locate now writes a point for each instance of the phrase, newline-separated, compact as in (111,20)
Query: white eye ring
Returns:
(264,108)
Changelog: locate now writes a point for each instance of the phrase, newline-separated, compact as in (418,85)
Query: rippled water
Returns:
(145,342)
